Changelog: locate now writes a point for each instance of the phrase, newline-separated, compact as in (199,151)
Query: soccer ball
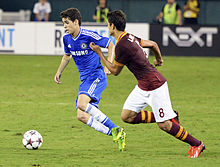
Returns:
(32,140)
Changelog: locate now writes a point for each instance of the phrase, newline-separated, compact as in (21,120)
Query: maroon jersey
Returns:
(129,52)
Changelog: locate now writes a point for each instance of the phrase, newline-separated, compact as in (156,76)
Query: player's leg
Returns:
(180,133)
(93,87)
(84,117)
(137,117)
(116,131)
(163,112)
(90,121)
(99,116)
(133,112)
(142,117)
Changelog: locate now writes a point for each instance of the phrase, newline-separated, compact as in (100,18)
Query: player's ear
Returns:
(76,21)
(113,27)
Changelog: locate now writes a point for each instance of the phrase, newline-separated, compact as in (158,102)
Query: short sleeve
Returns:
(100,40)
(36,10)
(140,41)
(48,10)
(66,49)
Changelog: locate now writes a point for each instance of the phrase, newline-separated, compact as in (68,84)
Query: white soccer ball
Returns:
(32,140)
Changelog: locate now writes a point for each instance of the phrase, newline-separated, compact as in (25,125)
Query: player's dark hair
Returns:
(72,14)
(118,18)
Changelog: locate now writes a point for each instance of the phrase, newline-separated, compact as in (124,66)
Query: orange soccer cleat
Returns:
(195,151)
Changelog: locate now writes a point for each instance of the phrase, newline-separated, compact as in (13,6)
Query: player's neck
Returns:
(117,34)
(74,35)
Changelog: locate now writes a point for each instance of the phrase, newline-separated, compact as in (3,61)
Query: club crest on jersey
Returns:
(83,45)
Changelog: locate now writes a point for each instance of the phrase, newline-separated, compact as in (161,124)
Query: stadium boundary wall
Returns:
(35,38)
(187,40)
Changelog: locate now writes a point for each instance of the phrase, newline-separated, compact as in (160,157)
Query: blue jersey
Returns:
(86,60)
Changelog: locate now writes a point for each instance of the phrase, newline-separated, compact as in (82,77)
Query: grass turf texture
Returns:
(30,99)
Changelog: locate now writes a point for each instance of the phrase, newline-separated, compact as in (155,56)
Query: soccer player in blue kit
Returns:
(93,79)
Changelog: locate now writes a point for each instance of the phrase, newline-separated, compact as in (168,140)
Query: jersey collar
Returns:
(77,35)
(121,36)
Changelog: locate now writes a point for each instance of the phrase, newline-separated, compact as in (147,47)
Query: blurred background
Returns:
(136,10)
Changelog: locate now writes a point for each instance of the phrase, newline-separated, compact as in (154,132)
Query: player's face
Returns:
(171,1)
(110,28)
(43,2)
(102,3)
(69,26)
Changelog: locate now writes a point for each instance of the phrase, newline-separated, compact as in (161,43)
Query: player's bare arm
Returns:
(113,68)
(38,17)
(179,13)
(155,49)
(65,60)
(111,55)
(47,16)
(111,51)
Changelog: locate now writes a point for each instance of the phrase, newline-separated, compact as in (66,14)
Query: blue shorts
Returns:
(93,86)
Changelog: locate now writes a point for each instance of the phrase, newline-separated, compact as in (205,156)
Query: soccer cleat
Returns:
(121,141)
(176,119)
(116,133)
(195,151)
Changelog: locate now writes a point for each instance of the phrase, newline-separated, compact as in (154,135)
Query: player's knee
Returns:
(81,105)
(128,116)
(80,116)
(123,118)
(126,119)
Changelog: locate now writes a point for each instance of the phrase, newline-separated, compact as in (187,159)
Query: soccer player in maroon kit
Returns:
(152,88)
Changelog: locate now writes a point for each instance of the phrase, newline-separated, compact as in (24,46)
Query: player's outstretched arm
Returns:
(65,60)
(113,68)
(111,56)
(111,52)
(155,49)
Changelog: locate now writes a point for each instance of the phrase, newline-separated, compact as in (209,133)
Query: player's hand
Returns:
(107,72)
(57,78)
(158,62)
(95,47)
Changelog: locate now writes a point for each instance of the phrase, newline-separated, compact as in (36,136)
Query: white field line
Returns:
(28,102)
(51,103)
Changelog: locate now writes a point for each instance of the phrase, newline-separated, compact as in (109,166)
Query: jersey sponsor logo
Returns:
(79,53)
(83,45)
(186,36)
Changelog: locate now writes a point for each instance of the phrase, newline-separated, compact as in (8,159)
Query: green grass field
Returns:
(30,99)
